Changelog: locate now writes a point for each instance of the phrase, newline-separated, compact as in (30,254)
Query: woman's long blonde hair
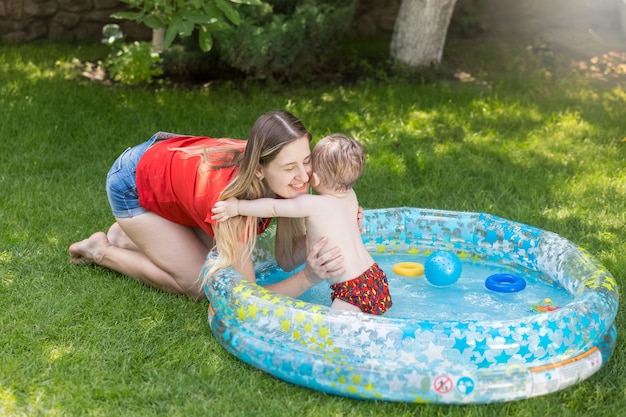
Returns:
(235,239)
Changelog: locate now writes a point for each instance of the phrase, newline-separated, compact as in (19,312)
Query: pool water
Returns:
(467,299)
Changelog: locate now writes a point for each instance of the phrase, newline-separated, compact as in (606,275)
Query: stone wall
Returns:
(82,20)
(61,20)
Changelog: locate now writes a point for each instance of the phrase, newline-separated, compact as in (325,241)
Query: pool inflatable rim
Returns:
(330,361)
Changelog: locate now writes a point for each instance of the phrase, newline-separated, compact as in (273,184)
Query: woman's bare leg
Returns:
(170,256)
(118,238)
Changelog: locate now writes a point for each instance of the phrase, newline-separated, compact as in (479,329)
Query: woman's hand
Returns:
(323,266)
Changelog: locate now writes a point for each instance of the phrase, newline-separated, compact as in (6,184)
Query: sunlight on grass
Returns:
(597,192)
(57,352)
(7,277)
(395,165)
(36,404)
(8,402)
(557,139)
(420,123)
(592,206)
(5,257)
(151,323)
(29,70)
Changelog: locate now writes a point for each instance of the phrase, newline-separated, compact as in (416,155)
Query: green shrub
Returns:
(134,63)
(130,63)
(180,18)
(284,38)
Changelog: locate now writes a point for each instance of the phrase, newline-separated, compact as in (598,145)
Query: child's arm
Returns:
(300,206)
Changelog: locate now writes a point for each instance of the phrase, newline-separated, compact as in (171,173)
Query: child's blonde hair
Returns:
(235,239)
(338,161)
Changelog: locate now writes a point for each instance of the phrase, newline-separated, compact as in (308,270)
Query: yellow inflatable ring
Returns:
(408,269)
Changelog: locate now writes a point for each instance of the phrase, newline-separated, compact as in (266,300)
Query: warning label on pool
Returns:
(443,384)
(552,377)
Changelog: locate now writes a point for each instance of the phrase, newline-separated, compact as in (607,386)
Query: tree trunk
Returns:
(420,31)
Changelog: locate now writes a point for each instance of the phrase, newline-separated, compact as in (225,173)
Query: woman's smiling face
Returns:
(287,175)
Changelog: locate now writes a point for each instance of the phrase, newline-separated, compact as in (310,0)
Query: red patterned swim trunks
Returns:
(369,292)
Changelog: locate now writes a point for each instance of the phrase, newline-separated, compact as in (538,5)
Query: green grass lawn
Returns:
(527,139)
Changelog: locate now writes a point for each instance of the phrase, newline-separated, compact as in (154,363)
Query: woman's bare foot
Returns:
(89,250)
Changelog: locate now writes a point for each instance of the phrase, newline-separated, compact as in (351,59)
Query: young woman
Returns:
(161,194)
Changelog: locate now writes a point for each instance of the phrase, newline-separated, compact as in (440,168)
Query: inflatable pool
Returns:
(464,360)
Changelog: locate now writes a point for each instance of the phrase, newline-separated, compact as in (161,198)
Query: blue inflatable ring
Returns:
(451,361)
(505,283)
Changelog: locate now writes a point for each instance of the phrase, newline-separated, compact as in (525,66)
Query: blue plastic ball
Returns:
(442,268)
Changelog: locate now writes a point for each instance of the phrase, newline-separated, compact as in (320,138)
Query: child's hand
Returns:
(223,210)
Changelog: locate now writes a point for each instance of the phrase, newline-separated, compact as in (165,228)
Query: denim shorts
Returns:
(121,182)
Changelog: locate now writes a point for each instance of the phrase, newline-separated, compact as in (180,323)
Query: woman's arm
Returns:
(289,255)
(318,268)
(246,269)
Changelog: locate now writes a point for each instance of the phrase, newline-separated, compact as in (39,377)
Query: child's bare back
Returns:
(334,216)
